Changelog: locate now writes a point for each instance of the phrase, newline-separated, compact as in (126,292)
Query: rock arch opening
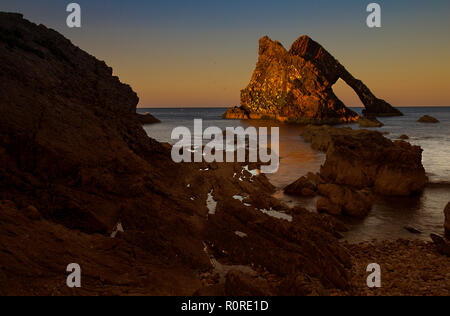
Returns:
(347,95)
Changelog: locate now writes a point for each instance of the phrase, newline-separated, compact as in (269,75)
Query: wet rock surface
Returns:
(296,86)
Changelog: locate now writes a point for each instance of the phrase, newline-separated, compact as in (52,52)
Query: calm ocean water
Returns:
(389,216)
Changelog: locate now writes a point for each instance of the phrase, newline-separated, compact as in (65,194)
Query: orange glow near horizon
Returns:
(201,54)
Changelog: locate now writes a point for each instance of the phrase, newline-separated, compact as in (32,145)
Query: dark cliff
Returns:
(75,163)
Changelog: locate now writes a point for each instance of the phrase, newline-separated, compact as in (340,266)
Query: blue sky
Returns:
(201,53)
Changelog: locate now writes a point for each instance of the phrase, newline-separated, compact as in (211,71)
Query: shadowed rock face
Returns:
(75,161)
(296,85)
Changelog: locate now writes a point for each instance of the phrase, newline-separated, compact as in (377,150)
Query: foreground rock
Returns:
(76,164)
(296,86)
(447,221)
(428,119)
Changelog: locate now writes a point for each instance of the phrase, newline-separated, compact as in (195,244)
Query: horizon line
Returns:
(226,107)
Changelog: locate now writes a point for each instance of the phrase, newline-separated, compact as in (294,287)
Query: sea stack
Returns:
(296,86)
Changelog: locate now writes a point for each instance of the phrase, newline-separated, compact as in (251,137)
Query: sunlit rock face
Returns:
(296,86)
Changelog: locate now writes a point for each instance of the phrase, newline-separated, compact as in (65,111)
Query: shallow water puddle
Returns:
(241,198)
(277,214)
(119,228)
(211,204)
(240,234)
(253,172)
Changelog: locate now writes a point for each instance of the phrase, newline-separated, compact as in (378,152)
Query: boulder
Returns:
(32,213)
(352,203)
(366,159)
(403,137)
(237,113)
(305,186)
(428,119)
(320,136)
(413,230)
(442,245)
(369,122)
(325,205)
(296,86)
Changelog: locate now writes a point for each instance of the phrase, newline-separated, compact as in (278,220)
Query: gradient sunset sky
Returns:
(202,53)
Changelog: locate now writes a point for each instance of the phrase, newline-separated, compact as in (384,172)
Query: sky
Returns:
(197,53)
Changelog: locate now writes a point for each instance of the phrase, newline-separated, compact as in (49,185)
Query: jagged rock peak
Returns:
(296,86)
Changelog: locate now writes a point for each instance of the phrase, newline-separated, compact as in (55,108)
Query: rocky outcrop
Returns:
(343,200)
(147,119)
(369,160)
(428,119)
(366,159)
(447,221)
(237,113)
(359,162)
(369,122)
(75,163)
(296,86)
(305,186)
(321,137)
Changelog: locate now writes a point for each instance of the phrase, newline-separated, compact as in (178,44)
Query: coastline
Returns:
(297,159)
(82,182)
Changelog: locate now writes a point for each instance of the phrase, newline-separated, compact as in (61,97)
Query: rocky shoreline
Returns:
(359,164)
(82,182)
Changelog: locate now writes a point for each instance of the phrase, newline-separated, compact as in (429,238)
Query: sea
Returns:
(389,217)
